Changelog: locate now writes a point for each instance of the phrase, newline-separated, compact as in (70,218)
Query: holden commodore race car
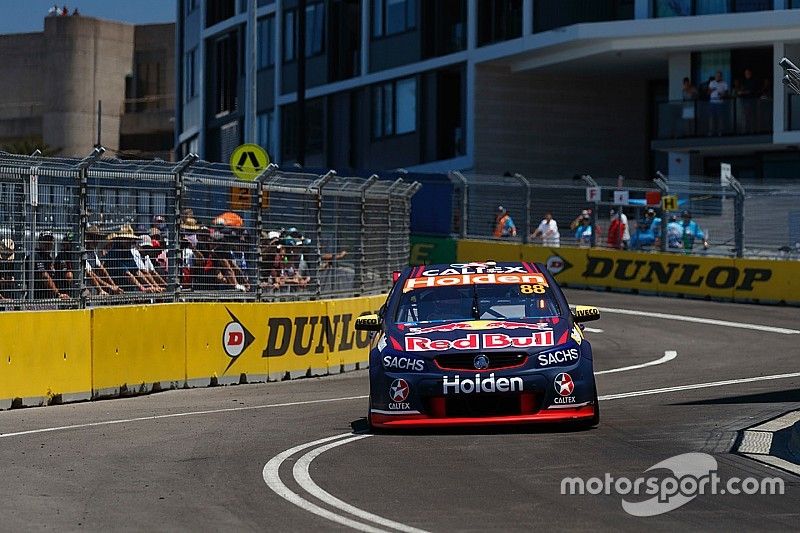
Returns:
(479,343)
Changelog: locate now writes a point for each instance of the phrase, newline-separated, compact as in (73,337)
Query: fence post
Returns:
(662,183)
(412,190)
(392,187)
(527,184)
(83,211)
(318,186)
(177,261)
(590,182)
(738,215)
(459,179)
(271,168)
(362,261)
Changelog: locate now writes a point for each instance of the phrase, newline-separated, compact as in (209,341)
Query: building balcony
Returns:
(680,124)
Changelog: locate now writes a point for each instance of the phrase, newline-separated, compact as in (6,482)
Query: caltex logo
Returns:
(564,384)
(398,391)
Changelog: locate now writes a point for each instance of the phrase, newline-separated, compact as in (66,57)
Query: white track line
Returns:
(665,390)
(698,320)
(272,478)
(303,478)
(669,355)
(177,415)
(594,330)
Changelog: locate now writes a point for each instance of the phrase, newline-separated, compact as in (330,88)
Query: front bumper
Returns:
(469,398)
(571,414)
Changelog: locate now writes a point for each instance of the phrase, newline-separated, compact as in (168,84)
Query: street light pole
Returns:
(301,83)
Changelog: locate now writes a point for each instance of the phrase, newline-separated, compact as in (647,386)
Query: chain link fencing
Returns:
(706,218)
(78,233)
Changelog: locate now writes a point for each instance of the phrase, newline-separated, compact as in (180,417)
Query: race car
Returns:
(479,344)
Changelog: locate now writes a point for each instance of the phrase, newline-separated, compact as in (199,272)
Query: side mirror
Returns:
(585,313)
(368,323)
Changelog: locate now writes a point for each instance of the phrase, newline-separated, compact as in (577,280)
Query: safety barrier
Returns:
(61,356)
(726,278)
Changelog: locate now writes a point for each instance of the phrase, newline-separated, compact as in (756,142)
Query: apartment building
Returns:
(547,88)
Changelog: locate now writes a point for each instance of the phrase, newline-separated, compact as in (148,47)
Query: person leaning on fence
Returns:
(548,231)
(66,266)
(8,281)
(674,232)
(503,224)
(618,233)
(142,255)
(122,265)
(583,229)
(96,274)
(271,260)
(647,230)
(691,231)
(44,269)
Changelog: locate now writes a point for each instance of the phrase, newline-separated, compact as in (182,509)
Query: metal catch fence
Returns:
(703,217)
(88,232)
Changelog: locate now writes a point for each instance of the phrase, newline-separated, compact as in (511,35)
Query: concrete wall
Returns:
(21,100)
(86,60)
(528,122)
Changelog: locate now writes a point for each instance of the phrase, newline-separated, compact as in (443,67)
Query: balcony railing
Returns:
(702,118)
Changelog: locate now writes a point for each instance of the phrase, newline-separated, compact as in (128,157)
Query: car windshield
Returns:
(477,302)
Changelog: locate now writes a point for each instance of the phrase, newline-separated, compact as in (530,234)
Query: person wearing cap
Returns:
(503,224)
(271,260)
(44,286)
(647,230)
(674,232)
(548,231)
(583,230)
(618,233)
(147,270)
(8,282)
(691,231)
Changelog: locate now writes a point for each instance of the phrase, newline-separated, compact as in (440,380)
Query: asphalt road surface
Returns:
(255,457)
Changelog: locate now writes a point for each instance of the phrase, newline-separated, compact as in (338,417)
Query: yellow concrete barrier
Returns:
(751,280)
(44,355)
(136,347)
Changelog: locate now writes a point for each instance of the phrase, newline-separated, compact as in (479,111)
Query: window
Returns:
(550,14)
(393,16)
(219,10)
(190,75)
(315,32)
(264,123)
(225,74)
(685,8)
(394,108)
(499,20)
(191,5)
(266,42)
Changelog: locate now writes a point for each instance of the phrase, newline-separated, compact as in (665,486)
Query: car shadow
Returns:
(791,395)
(361,426)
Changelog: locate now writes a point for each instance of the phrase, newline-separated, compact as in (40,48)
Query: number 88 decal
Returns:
(532,289)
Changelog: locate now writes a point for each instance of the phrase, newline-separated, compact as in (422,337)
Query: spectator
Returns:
(272,258)
(618,233)
(159,227)
(44,269)
(142,255)
(53,11)
(188,260)
(583,230)
(503,224)
(64,11)
(122,265)
(161,260)
(291,266)
(8,282)
(689,95)
(548,231)
(96,274)
(749,92)
(674,232)
(691,231)
(647,230)
(717,92)
(76,13)
(66,265)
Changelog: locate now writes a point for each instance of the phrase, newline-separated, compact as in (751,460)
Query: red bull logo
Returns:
(480,325)
(475,341)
